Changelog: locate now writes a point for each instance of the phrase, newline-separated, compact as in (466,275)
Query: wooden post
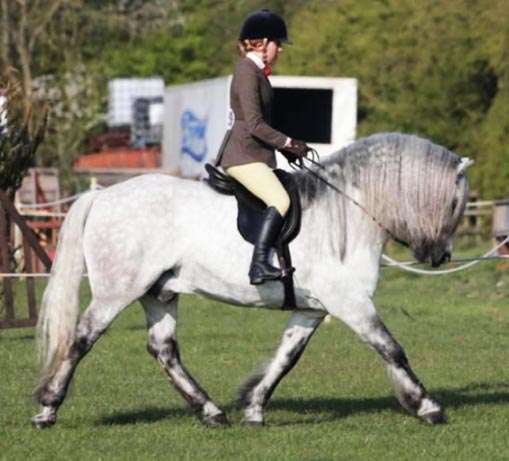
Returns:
(28,233)
(30,241)
(5,265)
(32,307)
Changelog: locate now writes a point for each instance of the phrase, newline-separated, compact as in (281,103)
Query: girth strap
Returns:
(285,262)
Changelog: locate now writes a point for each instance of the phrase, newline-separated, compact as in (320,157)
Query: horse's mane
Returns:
(406,183)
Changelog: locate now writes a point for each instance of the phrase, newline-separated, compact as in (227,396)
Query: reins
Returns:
(314,155)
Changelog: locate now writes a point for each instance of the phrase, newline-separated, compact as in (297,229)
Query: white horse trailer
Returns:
(319,110)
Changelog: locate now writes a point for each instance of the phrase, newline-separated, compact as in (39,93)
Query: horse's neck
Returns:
(334,227)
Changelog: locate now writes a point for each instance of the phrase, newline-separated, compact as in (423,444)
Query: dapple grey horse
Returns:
(154,237)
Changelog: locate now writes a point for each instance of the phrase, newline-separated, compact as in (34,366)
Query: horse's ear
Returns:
(463,165)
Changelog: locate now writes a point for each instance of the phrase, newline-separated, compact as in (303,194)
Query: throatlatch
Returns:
(252,214)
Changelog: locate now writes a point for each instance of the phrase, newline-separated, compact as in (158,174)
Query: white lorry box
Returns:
(123,92)
(319,110)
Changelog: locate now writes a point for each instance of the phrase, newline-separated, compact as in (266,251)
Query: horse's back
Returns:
(150,223)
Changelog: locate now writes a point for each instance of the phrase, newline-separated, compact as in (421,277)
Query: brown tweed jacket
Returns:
(251,139)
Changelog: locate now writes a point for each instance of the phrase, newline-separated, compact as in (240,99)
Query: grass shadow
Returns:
(145,415)
(321,410)
(317,410)
(311,411)
(479,393)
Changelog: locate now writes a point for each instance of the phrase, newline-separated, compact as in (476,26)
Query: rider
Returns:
(248,151)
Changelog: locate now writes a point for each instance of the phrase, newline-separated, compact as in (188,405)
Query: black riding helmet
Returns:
(264,24)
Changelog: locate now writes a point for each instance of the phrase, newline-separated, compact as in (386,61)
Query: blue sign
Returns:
(194,142)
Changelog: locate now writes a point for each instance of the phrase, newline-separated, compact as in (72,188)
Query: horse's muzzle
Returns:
(444,258)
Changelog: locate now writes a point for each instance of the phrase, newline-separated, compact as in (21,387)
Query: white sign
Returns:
(195,122)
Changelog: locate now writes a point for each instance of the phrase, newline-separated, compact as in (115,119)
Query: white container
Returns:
(321,111)
(122,92)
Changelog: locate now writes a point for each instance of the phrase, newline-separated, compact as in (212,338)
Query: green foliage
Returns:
(436,68)
(406,57)
(178,56)
(19,138)
(76,109)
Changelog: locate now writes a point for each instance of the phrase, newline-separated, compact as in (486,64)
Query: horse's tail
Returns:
(60,303)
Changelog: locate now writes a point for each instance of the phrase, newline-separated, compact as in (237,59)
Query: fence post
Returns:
(5,264)
(8,213)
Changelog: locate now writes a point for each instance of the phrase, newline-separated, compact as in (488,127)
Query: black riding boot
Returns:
(260,269)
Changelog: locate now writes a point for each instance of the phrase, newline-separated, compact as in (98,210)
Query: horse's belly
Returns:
(235,289)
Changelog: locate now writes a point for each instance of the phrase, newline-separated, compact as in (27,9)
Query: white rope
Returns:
(50,204)
(404,266)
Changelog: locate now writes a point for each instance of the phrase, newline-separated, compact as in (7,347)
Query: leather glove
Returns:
(295,151)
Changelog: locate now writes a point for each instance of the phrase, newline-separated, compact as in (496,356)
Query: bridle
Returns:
(313,157)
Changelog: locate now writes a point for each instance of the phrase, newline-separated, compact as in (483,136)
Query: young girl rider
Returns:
(248,152)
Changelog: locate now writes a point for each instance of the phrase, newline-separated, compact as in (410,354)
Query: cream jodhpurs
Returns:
(259,179)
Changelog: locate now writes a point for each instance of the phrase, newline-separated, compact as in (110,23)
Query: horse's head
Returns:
(412,189)
(436,247)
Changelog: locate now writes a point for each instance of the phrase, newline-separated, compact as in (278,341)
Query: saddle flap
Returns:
(252,209)
(219,181)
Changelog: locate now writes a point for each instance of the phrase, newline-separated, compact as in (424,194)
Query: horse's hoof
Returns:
(430,412)
(217,421)
(41,422)
(434,417)
(252,424)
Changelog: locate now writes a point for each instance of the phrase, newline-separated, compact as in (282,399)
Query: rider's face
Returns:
(272,52)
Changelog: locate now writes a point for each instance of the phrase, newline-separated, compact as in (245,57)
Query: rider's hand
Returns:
(299,148)
(295,151)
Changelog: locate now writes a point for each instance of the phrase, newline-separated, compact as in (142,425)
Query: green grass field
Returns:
(335,405)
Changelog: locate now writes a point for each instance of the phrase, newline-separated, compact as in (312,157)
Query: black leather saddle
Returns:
(251,211)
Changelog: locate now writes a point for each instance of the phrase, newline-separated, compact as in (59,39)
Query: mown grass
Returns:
(336,404)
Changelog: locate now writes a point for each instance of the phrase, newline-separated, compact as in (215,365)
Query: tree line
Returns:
(436,68)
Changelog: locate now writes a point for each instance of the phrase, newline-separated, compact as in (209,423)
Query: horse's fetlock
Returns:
(49,398)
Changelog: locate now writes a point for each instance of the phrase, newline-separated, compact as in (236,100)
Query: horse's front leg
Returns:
(256,391)
(361,316)
(162,345)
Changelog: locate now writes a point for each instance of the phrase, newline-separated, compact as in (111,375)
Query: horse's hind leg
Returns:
(52,390)
(411,394)
(257,390)
(162,345)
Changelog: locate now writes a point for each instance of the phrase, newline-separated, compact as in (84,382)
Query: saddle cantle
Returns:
(251,211)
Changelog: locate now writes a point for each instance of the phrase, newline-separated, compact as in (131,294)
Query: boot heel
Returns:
(257,275)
